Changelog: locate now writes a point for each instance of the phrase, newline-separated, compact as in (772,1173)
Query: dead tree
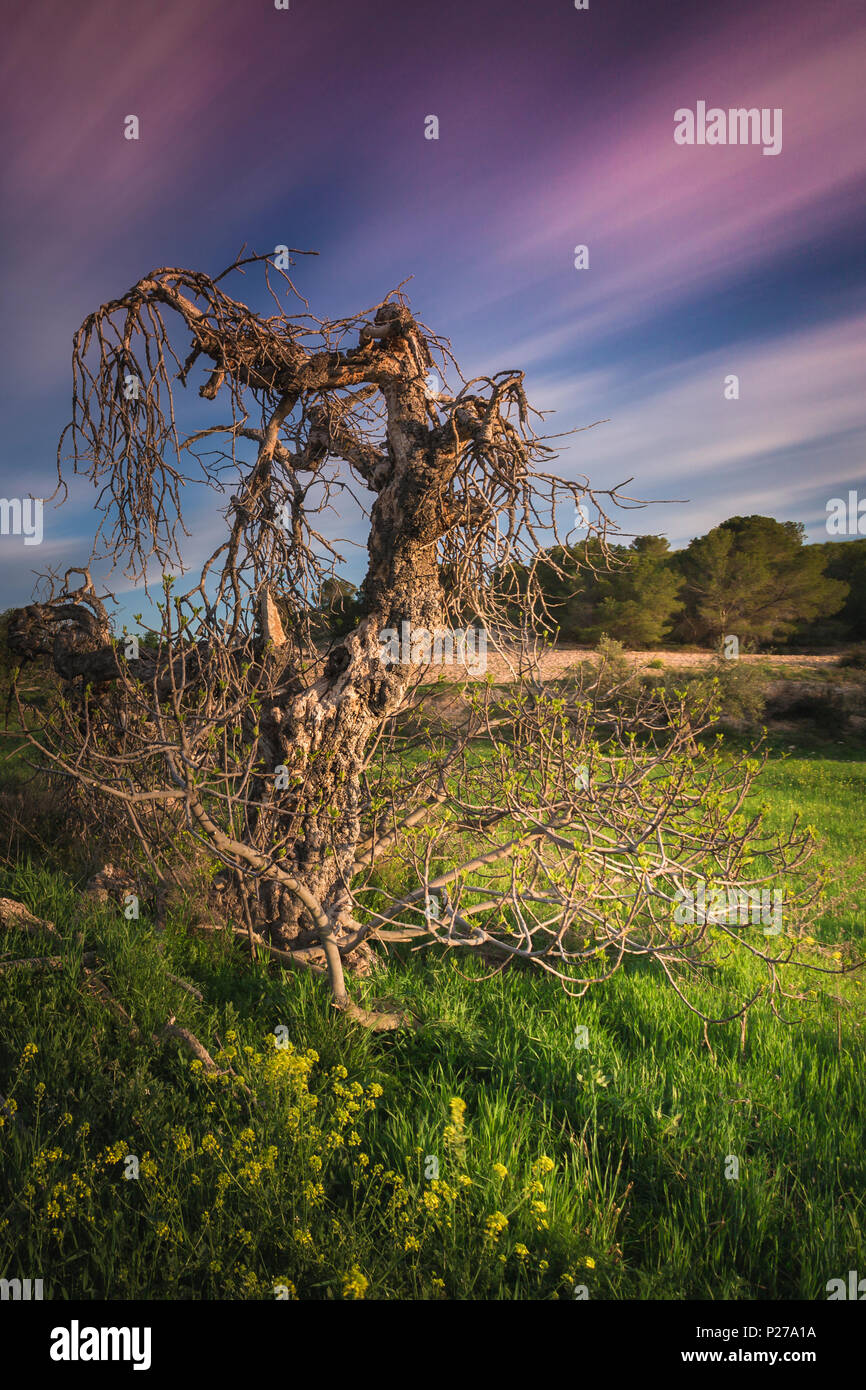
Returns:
(545,823)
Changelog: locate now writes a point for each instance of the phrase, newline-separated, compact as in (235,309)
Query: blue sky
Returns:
(306,127)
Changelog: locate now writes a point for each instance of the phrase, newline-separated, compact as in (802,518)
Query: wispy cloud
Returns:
(794,436)
(306,127)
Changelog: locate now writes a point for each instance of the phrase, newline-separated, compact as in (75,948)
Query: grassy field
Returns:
(563,1171)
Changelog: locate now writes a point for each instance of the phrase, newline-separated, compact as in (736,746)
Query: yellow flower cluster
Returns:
(182,1140)
(455,1132)
(67,1199)
(355,1284)
(253,1171)
(70,1197)
(112,1154)
(495,1224)
(242,1172)
(286,1069)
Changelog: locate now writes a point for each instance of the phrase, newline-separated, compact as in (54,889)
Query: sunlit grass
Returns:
(640,1126)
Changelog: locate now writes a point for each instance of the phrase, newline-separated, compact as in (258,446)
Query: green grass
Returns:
(234,1199)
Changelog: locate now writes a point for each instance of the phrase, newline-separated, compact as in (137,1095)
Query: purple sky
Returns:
(306,127)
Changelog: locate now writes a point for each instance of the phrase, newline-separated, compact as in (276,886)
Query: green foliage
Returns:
(739,688)
(613,674)
(341,606)
(629,595)
(753,577)
(640,599)
(626,1138)
(845,561)
(7,661)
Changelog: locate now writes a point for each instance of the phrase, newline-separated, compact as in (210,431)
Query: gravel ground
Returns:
(557,661)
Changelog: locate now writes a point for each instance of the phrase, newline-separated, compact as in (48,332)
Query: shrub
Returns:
(738,689)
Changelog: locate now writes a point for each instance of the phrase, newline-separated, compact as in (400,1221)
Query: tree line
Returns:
(751,576)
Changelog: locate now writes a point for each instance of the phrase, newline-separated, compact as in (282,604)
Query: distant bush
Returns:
(612,675)
(737,688)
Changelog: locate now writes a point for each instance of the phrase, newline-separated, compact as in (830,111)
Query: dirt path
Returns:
(557,661)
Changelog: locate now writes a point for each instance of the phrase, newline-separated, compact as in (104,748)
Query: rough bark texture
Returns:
(314,731)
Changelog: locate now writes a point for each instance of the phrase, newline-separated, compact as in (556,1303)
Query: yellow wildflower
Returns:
(495,1225)
(458,1111)
(355,1285)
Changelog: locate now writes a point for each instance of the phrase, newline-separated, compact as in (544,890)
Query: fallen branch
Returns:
(184,984)
(14,916)
(170,1030)
(377,1022)
(191,1042)
(46,962)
